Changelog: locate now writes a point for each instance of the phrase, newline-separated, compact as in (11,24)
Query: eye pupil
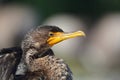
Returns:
(51,34)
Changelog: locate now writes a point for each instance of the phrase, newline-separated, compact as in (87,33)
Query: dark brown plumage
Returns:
(9,59)
(38,61)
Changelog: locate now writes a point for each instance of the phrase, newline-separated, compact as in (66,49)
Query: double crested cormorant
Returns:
(39,58)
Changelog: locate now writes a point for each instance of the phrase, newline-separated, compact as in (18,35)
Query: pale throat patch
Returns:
(29,54)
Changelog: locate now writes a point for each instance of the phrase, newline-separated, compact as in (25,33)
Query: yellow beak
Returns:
(60,36)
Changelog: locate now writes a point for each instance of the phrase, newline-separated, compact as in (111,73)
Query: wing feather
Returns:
(9,59)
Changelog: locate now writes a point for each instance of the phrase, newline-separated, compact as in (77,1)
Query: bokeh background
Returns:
(94,57)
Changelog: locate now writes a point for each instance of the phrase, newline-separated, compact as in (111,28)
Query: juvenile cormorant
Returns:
(39,59)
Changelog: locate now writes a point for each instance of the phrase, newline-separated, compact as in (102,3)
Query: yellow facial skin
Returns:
(60,36)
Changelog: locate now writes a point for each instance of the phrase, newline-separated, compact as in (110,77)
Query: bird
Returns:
(39,59)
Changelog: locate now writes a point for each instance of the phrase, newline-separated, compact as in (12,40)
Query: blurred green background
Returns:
(87,8)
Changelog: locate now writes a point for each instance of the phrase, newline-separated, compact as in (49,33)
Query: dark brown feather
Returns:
(9,59)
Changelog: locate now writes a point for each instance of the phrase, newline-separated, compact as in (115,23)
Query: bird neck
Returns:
(29,56)
(32,54)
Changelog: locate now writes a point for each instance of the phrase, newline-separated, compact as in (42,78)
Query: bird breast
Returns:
(51,68)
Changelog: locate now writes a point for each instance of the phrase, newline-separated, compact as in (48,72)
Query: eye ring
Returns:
(51,34)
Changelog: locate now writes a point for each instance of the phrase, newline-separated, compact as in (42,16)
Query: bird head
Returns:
(44,37)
